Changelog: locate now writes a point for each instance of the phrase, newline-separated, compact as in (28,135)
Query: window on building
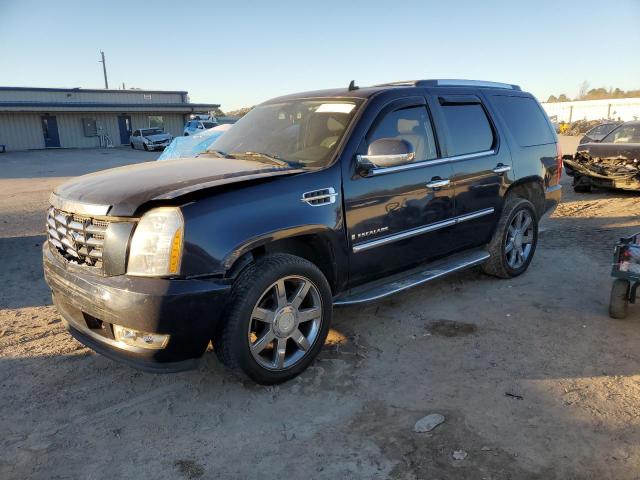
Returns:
(412,125)
(89,126)
(469,128)
(525,120)
(156,121)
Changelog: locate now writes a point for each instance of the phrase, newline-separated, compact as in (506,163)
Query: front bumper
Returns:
(583,176)
(187,310)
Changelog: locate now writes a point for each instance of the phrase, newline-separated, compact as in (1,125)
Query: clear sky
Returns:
(239,53)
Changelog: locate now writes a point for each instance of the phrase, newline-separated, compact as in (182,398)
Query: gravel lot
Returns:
(540,383)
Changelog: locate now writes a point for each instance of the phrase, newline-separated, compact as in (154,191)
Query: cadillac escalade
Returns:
(310,201)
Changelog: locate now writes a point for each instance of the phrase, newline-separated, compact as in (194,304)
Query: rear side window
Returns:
(469,128)
(525,120)
(412,125)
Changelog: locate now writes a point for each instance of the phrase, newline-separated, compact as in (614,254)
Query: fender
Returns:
(264,239)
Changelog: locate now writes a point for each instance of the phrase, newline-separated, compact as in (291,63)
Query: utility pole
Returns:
(104,70)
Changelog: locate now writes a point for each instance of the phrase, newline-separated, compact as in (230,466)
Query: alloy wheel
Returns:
(519,241)
(285,322)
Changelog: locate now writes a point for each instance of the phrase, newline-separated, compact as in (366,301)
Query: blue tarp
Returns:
(188,147)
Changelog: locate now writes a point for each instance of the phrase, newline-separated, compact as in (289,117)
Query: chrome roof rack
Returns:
(450,83)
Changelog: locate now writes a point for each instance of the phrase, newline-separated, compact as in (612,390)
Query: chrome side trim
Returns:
(378,161)
(428,163)
(80,208)
(309,197)
(420,230)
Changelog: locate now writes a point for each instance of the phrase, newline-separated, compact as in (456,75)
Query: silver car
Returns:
(149,139)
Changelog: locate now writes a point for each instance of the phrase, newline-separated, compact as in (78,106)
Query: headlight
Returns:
(156,247)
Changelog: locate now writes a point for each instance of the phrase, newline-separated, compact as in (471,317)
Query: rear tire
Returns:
(619,301)
(259,323)
(510,248)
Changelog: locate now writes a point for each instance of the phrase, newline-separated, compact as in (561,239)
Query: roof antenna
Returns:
(352,86)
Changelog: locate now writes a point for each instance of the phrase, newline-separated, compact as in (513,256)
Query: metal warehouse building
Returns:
(33,118)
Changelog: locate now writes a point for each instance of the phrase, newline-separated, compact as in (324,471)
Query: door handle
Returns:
(500,168)
(438,183)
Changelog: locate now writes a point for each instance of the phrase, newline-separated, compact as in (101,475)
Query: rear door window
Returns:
(410,124)
(469,128)
(525,119)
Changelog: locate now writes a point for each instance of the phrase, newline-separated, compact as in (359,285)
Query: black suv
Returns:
(311,200)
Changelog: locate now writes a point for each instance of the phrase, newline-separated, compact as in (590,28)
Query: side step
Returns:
(402,281)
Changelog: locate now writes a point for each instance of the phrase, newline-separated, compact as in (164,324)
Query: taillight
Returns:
(558,164)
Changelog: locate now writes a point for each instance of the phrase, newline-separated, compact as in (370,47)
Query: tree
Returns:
(563,98)
(584,88)
(241,112)
(552,99)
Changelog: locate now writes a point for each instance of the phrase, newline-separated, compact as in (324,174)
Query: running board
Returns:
(417,276)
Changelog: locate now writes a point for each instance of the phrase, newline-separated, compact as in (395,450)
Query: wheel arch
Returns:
(313,243)
(529,188)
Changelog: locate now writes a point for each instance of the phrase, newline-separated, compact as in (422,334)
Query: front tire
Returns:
(277,319)
(131,145)
(619,301)
(514,241)
(144,145)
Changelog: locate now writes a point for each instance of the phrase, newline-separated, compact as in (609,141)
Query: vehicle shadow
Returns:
(21,275)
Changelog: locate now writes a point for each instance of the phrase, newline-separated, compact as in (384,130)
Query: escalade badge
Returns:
(358,236)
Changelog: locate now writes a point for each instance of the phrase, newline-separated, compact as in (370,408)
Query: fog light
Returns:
(136,338)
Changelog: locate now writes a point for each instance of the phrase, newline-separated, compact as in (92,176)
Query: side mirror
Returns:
(387,152)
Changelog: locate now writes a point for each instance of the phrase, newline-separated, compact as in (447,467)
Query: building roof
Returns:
(105,107)
(90,90)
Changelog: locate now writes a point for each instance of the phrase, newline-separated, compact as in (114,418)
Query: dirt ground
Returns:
(540,382)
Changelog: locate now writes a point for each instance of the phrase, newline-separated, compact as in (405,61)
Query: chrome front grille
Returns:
(76,237)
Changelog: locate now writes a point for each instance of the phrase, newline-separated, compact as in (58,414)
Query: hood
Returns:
(605,150)
(158,136)
(121,191)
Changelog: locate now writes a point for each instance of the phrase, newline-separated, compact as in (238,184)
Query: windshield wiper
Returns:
(271,158)
(219,153)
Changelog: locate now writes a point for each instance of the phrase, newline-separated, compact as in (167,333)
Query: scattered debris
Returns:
(459,455)
(450,328)
(428,423)
(513,395)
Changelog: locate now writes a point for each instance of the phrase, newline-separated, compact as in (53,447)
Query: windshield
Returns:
(624,134)
(151,131)
(305,132)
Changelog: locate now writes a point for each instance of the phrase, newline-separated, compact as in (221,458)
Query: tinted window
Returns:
(469,129)
(410,124)
(525,119)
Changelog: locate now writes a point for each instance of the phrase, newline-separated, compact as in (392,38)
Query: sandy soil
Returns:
(541,383)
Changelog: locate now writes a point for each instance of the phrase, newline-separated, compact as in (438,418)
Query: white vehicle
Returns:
(198,126)
(149,139)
